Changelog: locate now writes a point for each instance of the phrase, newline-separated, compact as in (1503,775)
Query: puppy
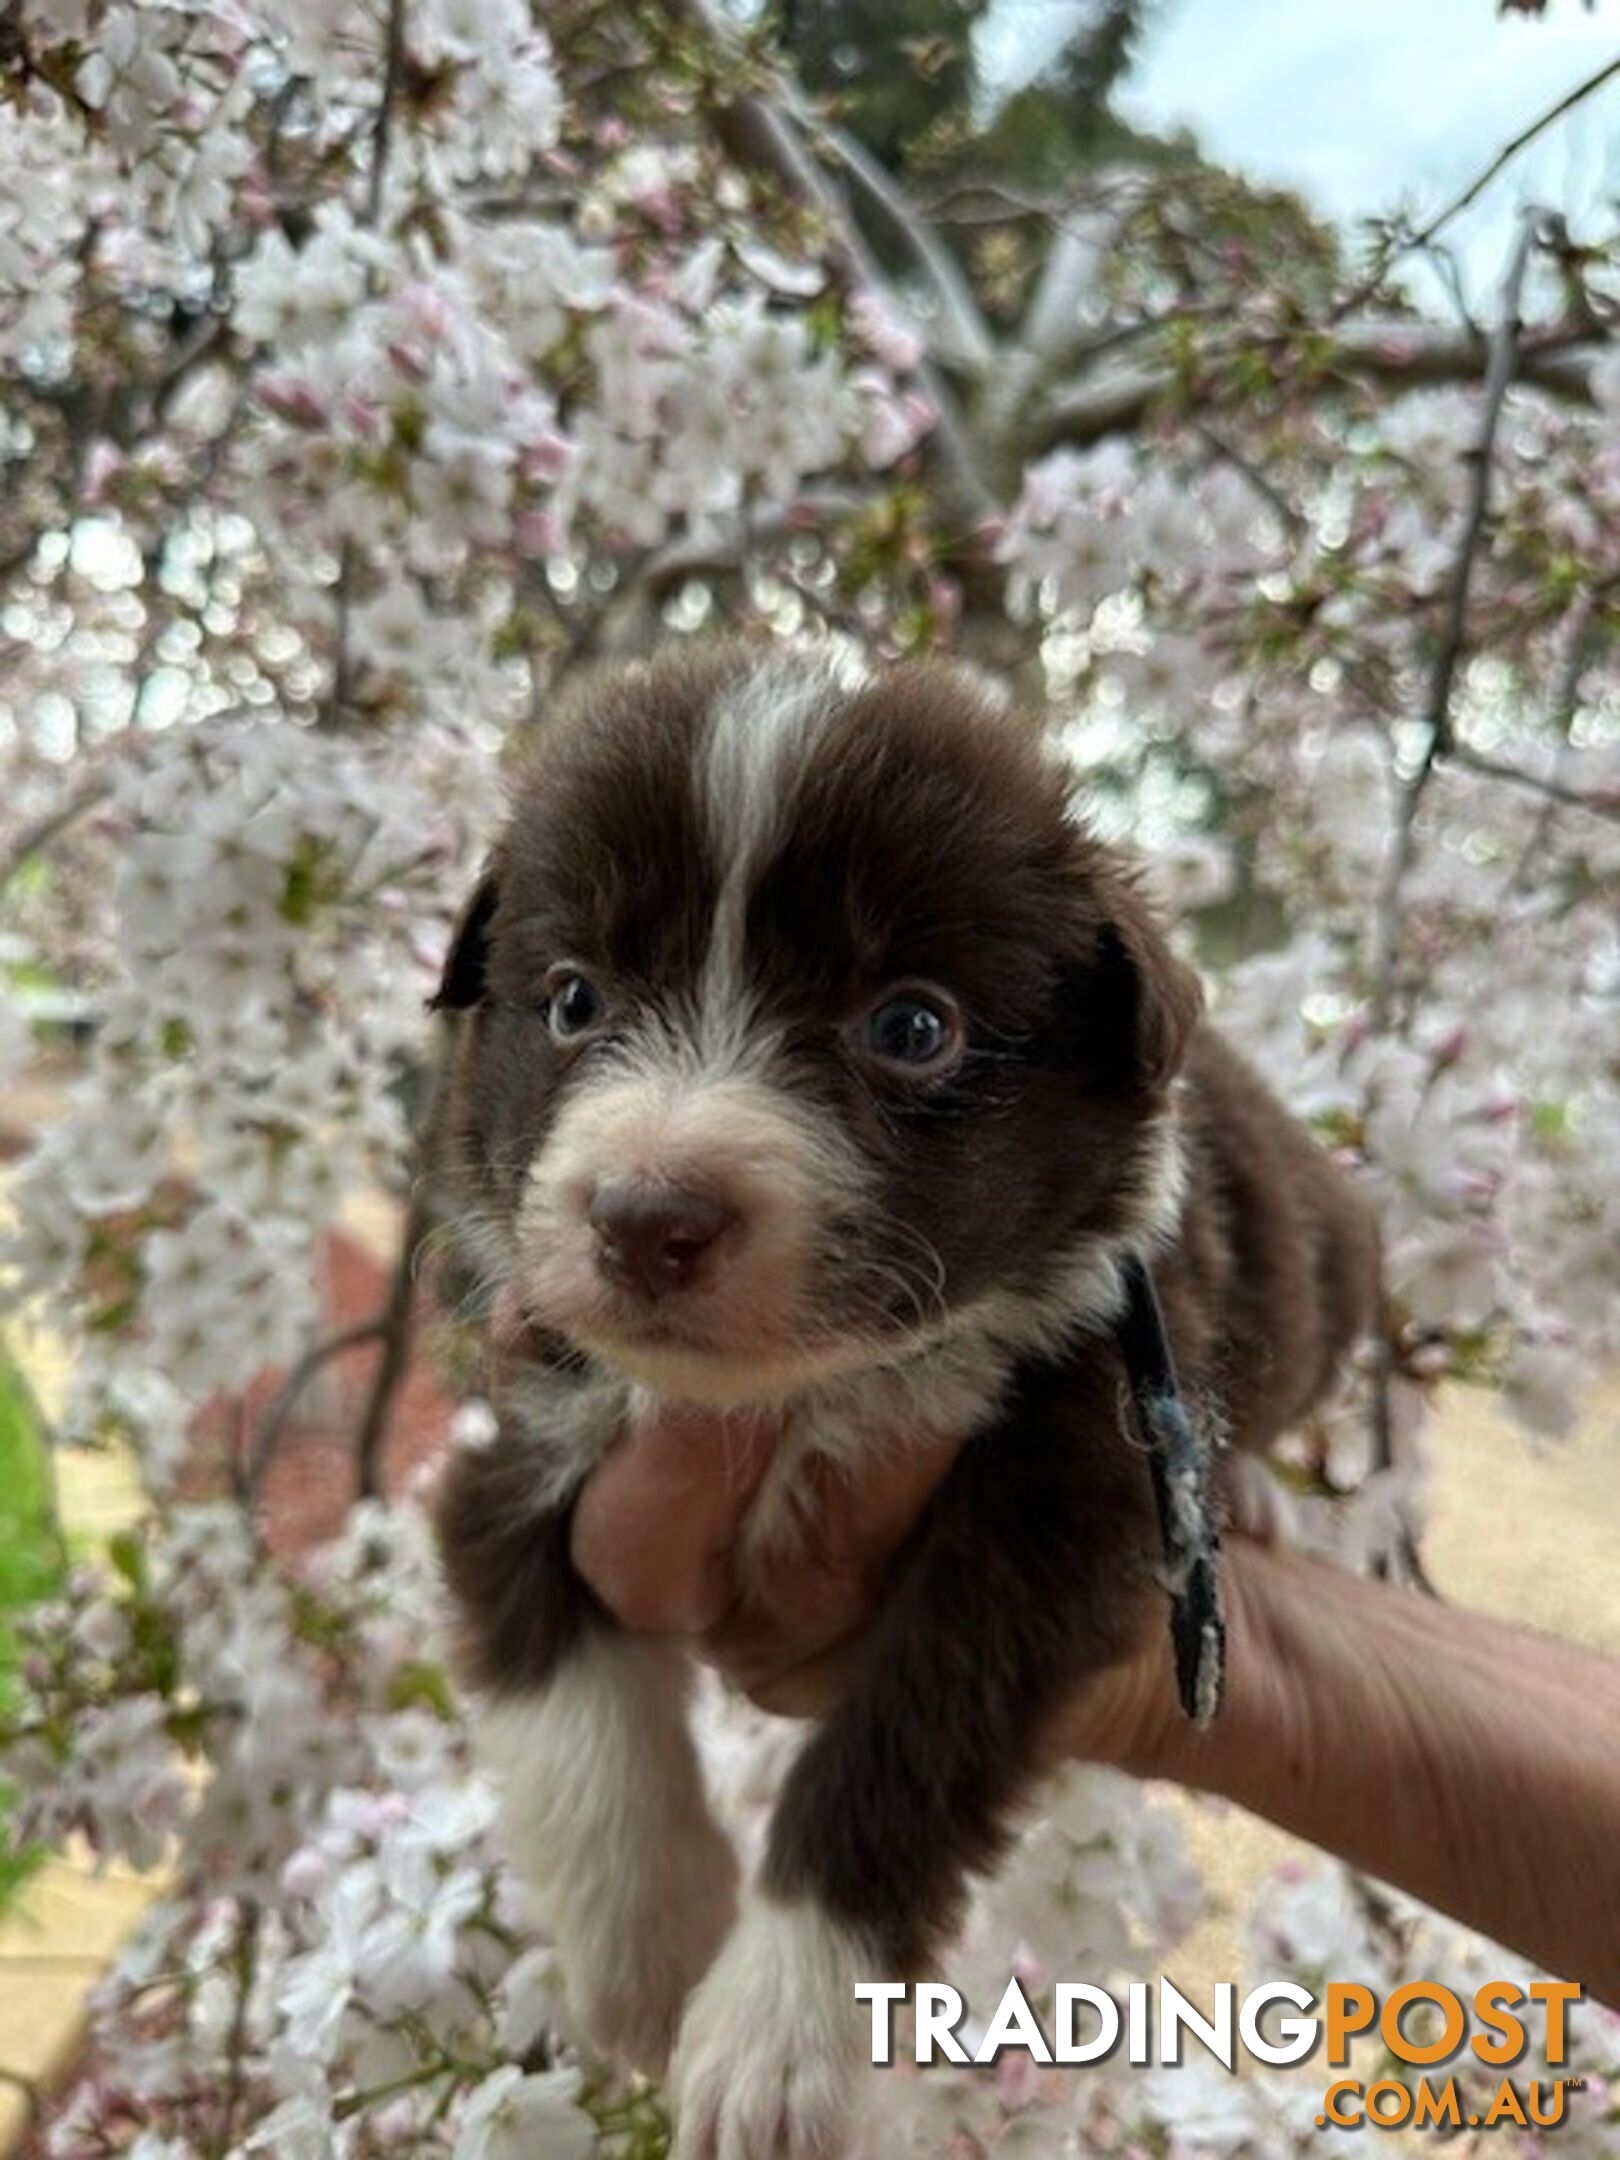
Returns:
(815,1064)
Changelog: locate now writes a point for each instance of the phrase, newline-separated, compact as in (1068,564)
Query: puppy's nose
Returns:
(653,1238)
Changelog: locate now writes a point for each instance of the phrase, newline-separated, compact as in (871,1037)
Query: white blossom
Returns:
(512,2117)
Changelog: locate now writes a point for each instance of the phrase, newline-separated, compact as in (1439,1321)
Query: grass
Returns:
(31,1561)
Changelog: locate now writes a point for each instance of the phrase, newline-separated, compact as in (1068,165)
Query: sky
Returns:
(1364,105)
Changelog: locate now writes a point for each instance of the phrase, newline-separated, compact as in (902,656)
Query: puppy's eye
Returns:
(917,1028)
(574,1005)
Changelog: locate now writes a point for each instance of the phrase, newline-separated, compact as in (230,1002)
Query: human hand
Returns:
(1349,1704)
(657,1535)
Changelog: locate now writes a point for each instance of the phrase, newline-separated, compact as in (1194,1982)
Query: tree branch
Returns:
(1292,519)
(1398,354)
(1499,376)
(244,1963)
(34,839)
(1504,358)
(1049,338)
(1476,187)
(964,333)
(1048,327)
(395,1322)
(766,135)
(394,1328)
(1563,705)
(724,554)
(336,702)
(278,1415)
(1555,792)
(382,138)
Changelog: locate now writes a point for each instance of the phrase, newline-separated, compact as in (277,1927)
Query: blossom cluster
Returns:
(274,895)
(377,1973)
(344,1942)
(1282,663)
(365,1940)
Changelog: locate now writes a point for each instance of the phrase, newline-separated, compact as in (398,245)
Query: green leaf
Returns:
(32,1564)
(127,1557)
(421,1685)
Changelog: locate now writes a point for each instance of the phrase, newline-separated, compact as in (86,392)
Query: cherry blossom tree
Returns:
(369,367)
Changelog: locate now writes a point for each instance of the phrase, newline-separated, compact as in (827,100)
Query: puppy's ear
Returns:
(466,964)
(1155,999)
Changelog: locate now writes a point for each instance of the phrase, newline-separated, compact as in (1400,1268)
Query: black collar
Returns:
(1179,1457)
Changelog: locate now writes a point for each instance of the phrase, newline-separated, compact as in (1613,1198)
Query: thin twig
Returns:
(1561,719)
(1454,629)
(1450,274)
(36,838)
(1390,911)
(1001,203)
(719,554)
(1499,376)
(337,697)
(395,1332)
(245,1964)
(382,137)
(1381,1417)
(1292,519)
(278,1414)
(1552,790)
(399,1308)
(1381,1421)
(188,355)
(1476,187)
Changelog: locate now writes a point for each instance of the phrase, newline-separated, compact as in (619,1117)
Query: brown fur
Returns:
(927,838)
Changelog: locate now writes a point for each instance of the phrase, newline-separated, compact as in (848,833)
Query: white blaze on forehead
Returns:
(757,738)
(758,741)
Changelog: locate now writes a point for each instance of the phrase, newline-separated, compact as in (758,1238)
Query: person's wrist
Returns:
(1258,1594)
(1131,1716)
(1121,1716)
(1128,1713)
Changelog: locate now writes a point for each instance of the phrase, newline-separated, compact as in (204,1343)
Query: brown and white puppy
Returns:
(816,1064)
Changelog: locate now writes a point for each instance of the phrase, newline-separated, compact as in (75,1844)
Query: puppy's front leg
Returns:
(1028,1572)
(584,1730)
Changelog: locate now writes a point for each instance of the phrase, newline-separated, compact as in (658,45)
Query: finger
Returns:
(854,1527)
(792,1640)
(762,1666)
(861,1522)
(655,1525)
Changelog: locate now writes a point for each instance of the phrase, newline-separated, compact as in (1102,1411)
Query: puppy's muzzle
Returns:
(652,1239)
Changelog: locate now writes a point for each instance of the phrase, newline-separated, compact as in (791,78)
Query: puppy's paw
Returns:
(632,1958)
(769,2054)
(604,1815)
